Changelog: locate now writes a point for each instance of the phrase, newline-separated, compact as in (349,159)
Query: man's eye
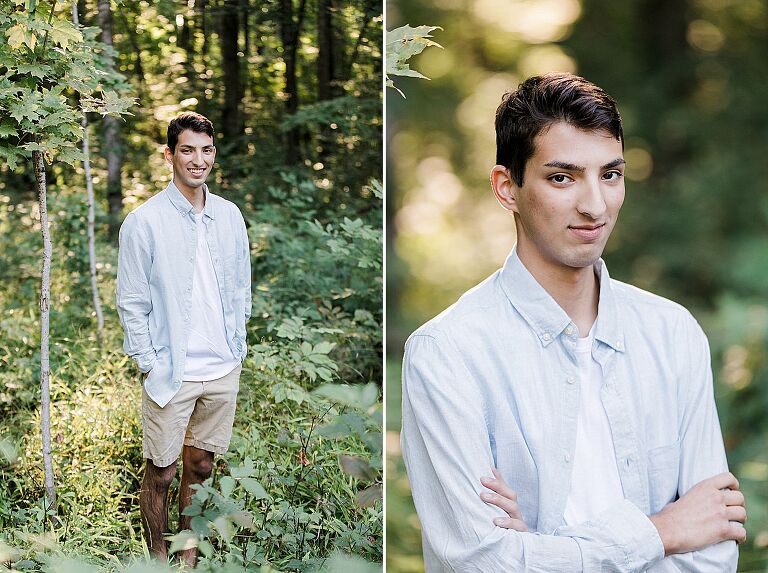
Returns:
(613,176)
(560,178)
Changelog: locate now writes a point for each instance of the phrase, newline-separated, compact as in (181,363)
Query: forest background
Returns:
(294,89)
(689,78)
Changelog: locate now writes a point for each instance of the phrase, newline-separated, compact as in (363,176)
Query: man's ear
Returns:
(504,187)
(168,155)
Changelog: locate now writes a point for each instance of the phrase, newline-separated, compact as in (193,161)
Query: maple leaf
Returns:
(63,33)
(18,35)
(18,110)
(7,129)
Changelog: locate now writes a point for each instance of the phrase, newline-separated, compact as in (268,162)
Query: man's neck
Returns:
(196,196)
(575,290)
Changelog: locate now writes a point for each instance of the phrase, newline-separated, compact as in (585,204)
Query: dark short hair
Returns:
(187,120)
(541,101)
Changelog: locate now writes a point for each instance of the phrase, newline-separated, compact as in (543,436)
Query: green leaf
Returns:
(244,470)
(36,70)
(356,467)
(205,548)
(227,485)
(369,496)
(224,526)
(20,34)
(323,347)
(25,108)
(254,488)
(63,32)
(242,519)
(184,540)
(199,525)
(191,510)
(8,130)
(362,397)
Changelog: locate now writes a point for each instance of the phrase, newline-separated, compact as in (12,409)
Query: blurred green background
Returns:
(690,78)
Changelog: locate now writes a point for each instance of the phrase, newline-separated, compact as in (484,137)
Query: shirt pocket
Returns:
(663,475)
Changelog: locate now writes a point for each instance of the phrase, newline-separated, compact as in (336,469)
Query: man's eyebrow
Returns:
(579,169)
(565,165)
(615,163)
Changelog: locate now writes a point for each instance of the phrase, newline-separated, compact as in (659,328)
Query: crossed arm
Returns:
(710,512)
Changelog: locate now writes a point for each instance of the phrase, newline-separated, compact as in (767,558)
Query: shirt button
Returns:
(567,458)
(546,336)
(191,259)
(570,380)
(569,330)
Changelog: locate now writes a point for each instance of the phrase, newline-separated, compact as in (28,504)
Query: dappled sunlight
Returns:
(535,21)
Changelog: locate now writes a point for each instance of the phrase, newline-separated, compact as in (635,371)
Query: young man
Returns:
(591,398)
(184,296)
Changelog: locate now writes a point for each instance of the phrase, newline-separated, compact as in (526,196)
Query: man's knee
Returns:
(159,478)
(198,463)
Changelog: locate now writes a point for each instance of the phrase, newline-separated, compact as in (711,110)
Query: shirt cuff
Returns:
(146,361)
(641,543)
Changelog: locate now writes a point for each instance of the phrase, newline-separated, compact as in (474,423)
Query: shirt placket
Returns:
(189,229)
(628,460)
(566,392)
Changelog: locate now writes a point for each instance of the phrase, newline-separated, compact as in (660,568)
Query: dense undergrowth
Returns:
(299,489)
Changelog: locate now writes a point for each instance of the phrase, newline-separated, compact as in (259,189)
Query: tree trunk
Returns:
(91,209)
(45,364)
(202,9)
(230,67)
(325,55)
(112,143)
(289,35)
(186,43)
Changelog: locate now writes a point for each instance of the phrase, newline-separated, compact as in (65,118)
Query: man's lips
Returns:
(587,232)
(196,171)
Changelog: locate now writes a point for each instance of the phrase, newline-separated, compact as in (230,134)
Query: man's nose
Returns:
(591,200)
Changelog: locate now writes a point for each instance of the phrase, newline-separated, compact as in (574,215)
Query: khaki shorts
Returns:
(201,414)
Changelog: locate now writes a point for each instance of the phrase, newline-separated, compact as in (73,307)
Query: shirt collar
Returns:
(546,317)
(184,206)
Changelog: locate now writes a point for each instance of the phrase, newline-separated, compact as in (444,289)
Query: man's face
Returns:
(193,159)
(570,198)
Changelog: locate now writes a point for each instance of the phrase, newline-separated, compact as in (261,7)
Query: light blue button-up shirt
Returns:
(493,381)
(156,265)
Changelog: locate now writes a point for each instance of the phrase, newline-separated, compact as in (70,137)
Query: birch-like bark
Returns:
(45,297)
(91,208)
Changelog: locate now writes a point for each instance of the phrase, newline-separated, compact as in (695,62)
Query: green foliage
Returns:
(302,482)
(43,54)
(402,44)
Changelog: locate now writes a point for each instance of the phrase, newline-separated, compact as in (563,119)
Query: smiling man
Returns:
(584,405)
(184,296)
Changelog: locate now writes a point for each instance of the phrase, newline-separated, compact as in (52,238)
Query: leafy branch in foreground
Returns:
(402,44)
(39,122)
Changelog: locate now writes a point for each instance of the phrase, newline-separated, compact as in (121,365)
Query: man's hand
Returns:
(710,512)
(504,498)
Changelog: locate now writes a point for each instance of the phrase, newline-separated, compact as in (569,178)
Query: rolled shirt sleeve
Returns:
(133,294)
(699,432)
(447,449)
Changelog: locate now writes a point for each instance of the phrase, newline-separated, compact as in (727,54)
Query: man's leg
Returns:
(153,501)
(196,467)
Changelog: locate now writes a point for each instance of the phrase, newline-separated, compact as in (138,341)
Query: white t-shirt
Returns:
(595,482)
(208,354)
